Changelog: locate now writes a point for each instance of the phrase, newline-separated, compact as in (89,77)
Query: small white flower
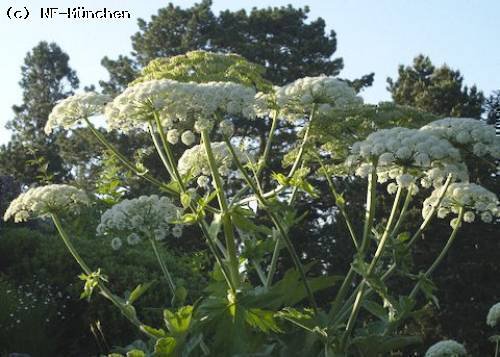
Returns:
(493,317)
(469,217)
(392,188)
(177,231)
(188,138)
(116,243)
(71,110)
(203,181)
(173,136)
(447,348)
(43,200)
(227,128)
(133,239)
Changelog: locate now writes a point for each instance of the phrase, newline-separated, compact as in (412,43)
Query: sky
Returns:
(373,36)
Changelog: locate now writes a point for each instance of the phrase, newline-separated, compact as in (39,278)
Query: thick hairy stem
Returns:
(274,262)
(369,217)
(104,290)
(441,255)
(378,253)
(282,231)
(267,149)
(370,207)
(226,219)
(343,312)
(163,267)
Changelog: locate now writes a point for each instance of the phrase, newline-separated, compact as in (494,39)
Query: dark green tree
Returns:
(437,90)
(46,78)
(279,38)
(492,107)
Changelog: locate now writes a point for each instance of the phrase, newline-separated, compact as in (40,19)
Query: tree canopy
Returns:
(437,90)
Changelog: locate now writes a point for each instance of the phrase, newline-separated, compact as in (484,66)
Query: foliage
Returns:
(436,90)
(277,38)
(245,307)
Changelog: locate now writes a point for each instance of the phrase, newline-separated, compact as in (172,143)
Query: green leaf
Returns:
(262,319)
(375,309)
(282,179)
(178,322)
(165,347)
(136,353)
(153,331)
(185,199)
(138,292)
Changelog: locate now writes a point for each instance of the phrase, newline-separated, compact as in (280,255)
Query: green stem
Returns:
(369,217)
(431,214)
(441,255)
(277,224)
(226,219)
(378,253)
(496,350)
(168,151)
(267,149)
(370,207)
(341,206)
(104,290)
(259,271)
(274,262)
(295,165)
(160,152)
(126,162)
(163,266)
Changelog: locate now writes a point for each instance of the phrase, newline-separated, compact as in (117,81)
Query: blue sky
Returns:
(373,36)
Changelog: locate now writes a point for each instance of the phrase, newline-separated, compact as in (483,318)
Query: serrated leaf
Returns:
(178,322)
(136,353)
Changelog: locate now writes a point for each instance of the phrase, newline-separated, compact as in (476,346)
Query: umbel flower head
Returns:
(71,110)
(296,99)
(493,317)
(143,217)
(194,161)
(475,199)
(45,200)
(471,134)
(446,348)
(404,154)
(180,105)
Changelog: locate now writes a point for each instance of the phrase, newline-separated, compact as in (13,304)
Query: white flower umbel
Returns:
(296,99)
(195,161)
(477,200)
(188,138)
(180,105)
(404,154)
(45,200)
(72,110)
(471,134)
(143,217)
(446,348)
(493,317)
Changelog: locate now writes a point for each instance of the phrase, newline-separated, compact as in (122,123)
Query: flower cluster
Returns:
(71,110)
(194,161)
(493,317)
(469,196)
(143,217)
(472,134)
(446,348)
(296,99)
(180,105)
(404,154)
(44,200)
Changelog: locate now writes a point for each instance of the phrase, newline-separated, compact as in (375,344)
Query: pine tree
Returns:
(46,78)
